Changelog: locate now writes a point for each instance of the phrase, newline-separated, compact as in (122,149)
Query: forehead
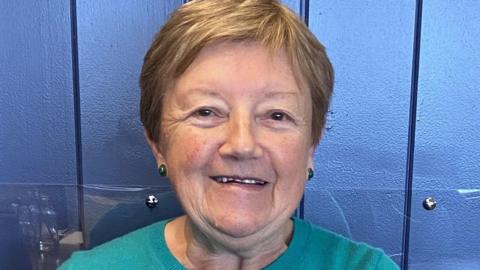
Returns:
(248,65)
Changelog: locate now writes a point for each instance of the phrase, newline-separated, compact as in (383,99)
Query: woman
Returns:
(234,95)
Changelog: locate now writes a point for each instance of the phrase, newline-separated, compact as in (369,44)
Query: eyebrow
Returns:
(269,94)
(203,91)
(281,94)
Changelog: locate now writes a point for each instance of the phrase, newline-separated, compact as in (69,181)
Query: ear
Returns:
(155,148)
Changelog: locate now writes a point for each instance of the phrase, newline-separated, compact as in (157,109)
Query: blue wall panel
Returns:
(360,163)
(38,194)
(37,136)
(293,4)
(447,146)
(113,38)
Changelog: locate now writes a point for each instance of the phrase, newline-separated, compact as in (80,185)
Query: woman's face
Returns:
(236,139)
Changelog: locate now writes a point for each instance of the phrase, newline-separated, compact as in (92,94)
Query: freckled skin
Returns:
(237,110)
(192,153)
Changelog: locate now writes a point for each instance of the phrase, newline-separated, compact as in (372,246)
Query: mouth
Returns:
(252,181)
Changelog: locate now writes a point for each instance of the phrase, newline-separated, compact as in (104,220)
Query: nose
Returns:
(241,141)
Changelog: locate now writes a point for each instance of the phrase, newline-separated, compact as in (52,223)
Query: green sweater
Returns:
(311,248)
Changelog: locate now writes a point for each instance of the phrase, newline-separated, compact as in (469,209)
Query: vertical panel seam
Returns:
(305,10)
(77,115)
(304,14)
(411,134)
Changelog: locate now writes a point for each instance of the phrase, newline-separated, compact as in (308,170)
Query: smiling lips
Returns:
(238,180)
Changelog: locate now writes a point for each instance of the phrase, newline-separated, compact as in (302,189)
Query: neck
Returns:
(198,250)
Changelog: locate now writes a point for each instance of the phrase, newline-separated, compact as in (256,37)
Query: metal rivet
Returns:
(151,201)
(429,203)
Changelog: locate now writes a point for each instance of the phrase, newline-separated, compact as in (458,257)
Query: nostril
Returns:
(242,153)
(241,149)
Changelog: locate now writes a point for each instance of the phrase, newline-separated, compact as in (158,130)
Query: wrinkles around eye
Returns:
(210,117)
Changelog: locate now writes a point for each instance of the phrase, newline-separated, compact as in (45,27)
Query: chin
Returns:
(239,226)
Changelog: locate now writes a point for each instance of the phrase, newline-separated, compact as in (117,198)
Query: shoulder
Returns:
(334,251)
(133,250)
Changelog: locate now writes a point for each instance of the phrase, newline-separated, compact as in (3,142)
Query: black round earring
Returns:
(162,170)
(310,173)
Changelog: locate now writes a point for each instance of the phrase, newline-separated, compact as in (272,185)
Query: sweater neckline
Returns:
(165,257)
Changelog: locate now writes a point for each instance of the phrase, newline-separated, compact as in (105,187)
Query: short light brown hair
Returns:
(200,23)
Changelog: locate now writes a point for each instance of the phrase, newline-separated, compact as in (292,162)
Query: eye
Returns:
(279,119)
(207,116)
(279,116)
(204,112)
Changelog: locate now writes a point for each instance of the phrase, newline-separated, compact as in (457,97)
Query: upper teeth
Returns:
(224,179)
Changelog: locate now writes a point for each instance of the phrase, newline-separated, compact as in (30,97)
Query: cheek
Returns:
(292,159)
(187,149)
(192,151)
